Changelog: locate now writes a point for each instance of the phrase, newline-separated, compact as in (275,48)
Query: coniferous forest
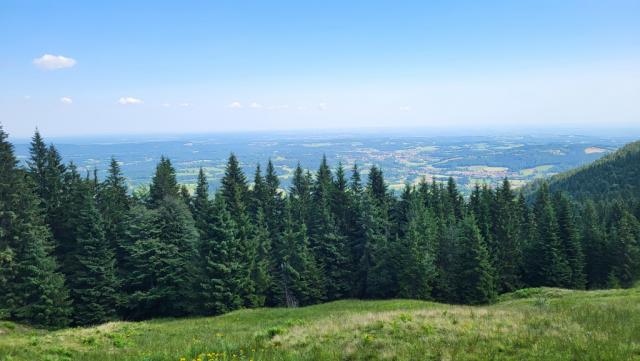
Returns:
(75,250)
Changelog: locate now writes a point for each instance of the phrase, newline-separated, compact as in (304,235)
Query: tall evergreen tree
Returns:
(570,241)
(595,247)
(164,183)
(91,270)
(475,281)
(547,264)
(32,289)
(163,258)
(114,205)
(624,247)
(219,290)
(508,256)
(416,252)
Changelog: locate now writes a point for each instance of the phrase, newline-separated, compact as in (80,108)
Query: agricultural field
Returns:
(404,158)
(530,324)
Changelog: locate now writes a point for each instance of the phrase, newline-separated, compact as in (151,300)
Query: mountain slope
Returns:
(530,324)
(614,176)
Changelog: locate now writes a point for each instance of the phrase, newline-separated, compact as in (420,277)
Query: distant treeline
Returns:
(75,250)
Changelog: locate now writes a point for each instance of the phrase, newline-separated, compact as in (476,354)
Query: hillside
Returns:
(531,324)
(614,176)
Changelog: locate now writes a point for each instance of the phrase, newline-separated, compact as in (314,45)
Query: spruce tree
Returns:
(32,290)
(219,292)
(624,247)
(416,252)
(570,241)
(547,263)
(162,260)
(475,281)
(164,183)
(262,265)
(296,280)
(91,271)
(235,191)
(594,243)
(114,205)
(508,257)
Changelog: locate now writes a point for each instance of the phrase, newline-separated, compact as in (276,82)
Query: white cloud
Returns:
(53,62)
(66,100)
(184,105)
(405,108)
(322,106)
(235,105)
(129,100)
(278,107)
(166,105)
(27,97)
(255,105)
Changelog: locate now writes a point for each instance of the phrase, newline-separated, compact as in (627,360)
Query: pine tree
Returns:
(475,275)
(32,290)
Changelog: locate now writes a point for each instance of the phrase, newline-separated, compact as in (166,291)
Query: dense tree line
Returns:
(76,250)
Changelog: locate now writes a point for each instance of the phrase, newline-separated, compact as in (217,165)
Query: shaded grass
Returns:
(531,324)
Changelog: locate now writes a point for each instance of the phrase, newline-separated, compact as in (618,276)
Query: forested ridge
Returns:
(75,250)
(616,176)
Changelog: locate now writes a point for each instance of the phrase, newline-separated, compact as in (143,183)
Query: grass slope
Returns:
(531,324)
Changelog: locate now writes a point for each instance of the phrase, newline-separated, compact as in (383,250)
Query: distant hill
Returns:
(614,176)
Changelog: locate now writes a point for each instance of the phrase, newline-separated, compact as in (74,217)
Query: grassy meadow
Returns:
(531,324)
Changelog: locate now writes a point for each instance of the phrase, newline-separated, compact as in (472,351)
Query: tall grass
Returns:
(533,324)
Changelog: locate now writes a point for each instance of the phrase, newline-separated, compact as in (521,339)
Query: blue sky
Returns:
(208,66)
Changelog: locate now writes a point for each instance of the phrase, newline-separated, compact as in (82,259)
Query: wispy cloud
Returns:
(255,105)
(322,106)
(235,105)
(66,100)
(405,108)
(53,62)
(184,105)
(129,100)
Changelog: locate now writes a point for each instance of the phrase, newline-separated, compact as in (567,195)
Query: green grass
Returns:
(531,324)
